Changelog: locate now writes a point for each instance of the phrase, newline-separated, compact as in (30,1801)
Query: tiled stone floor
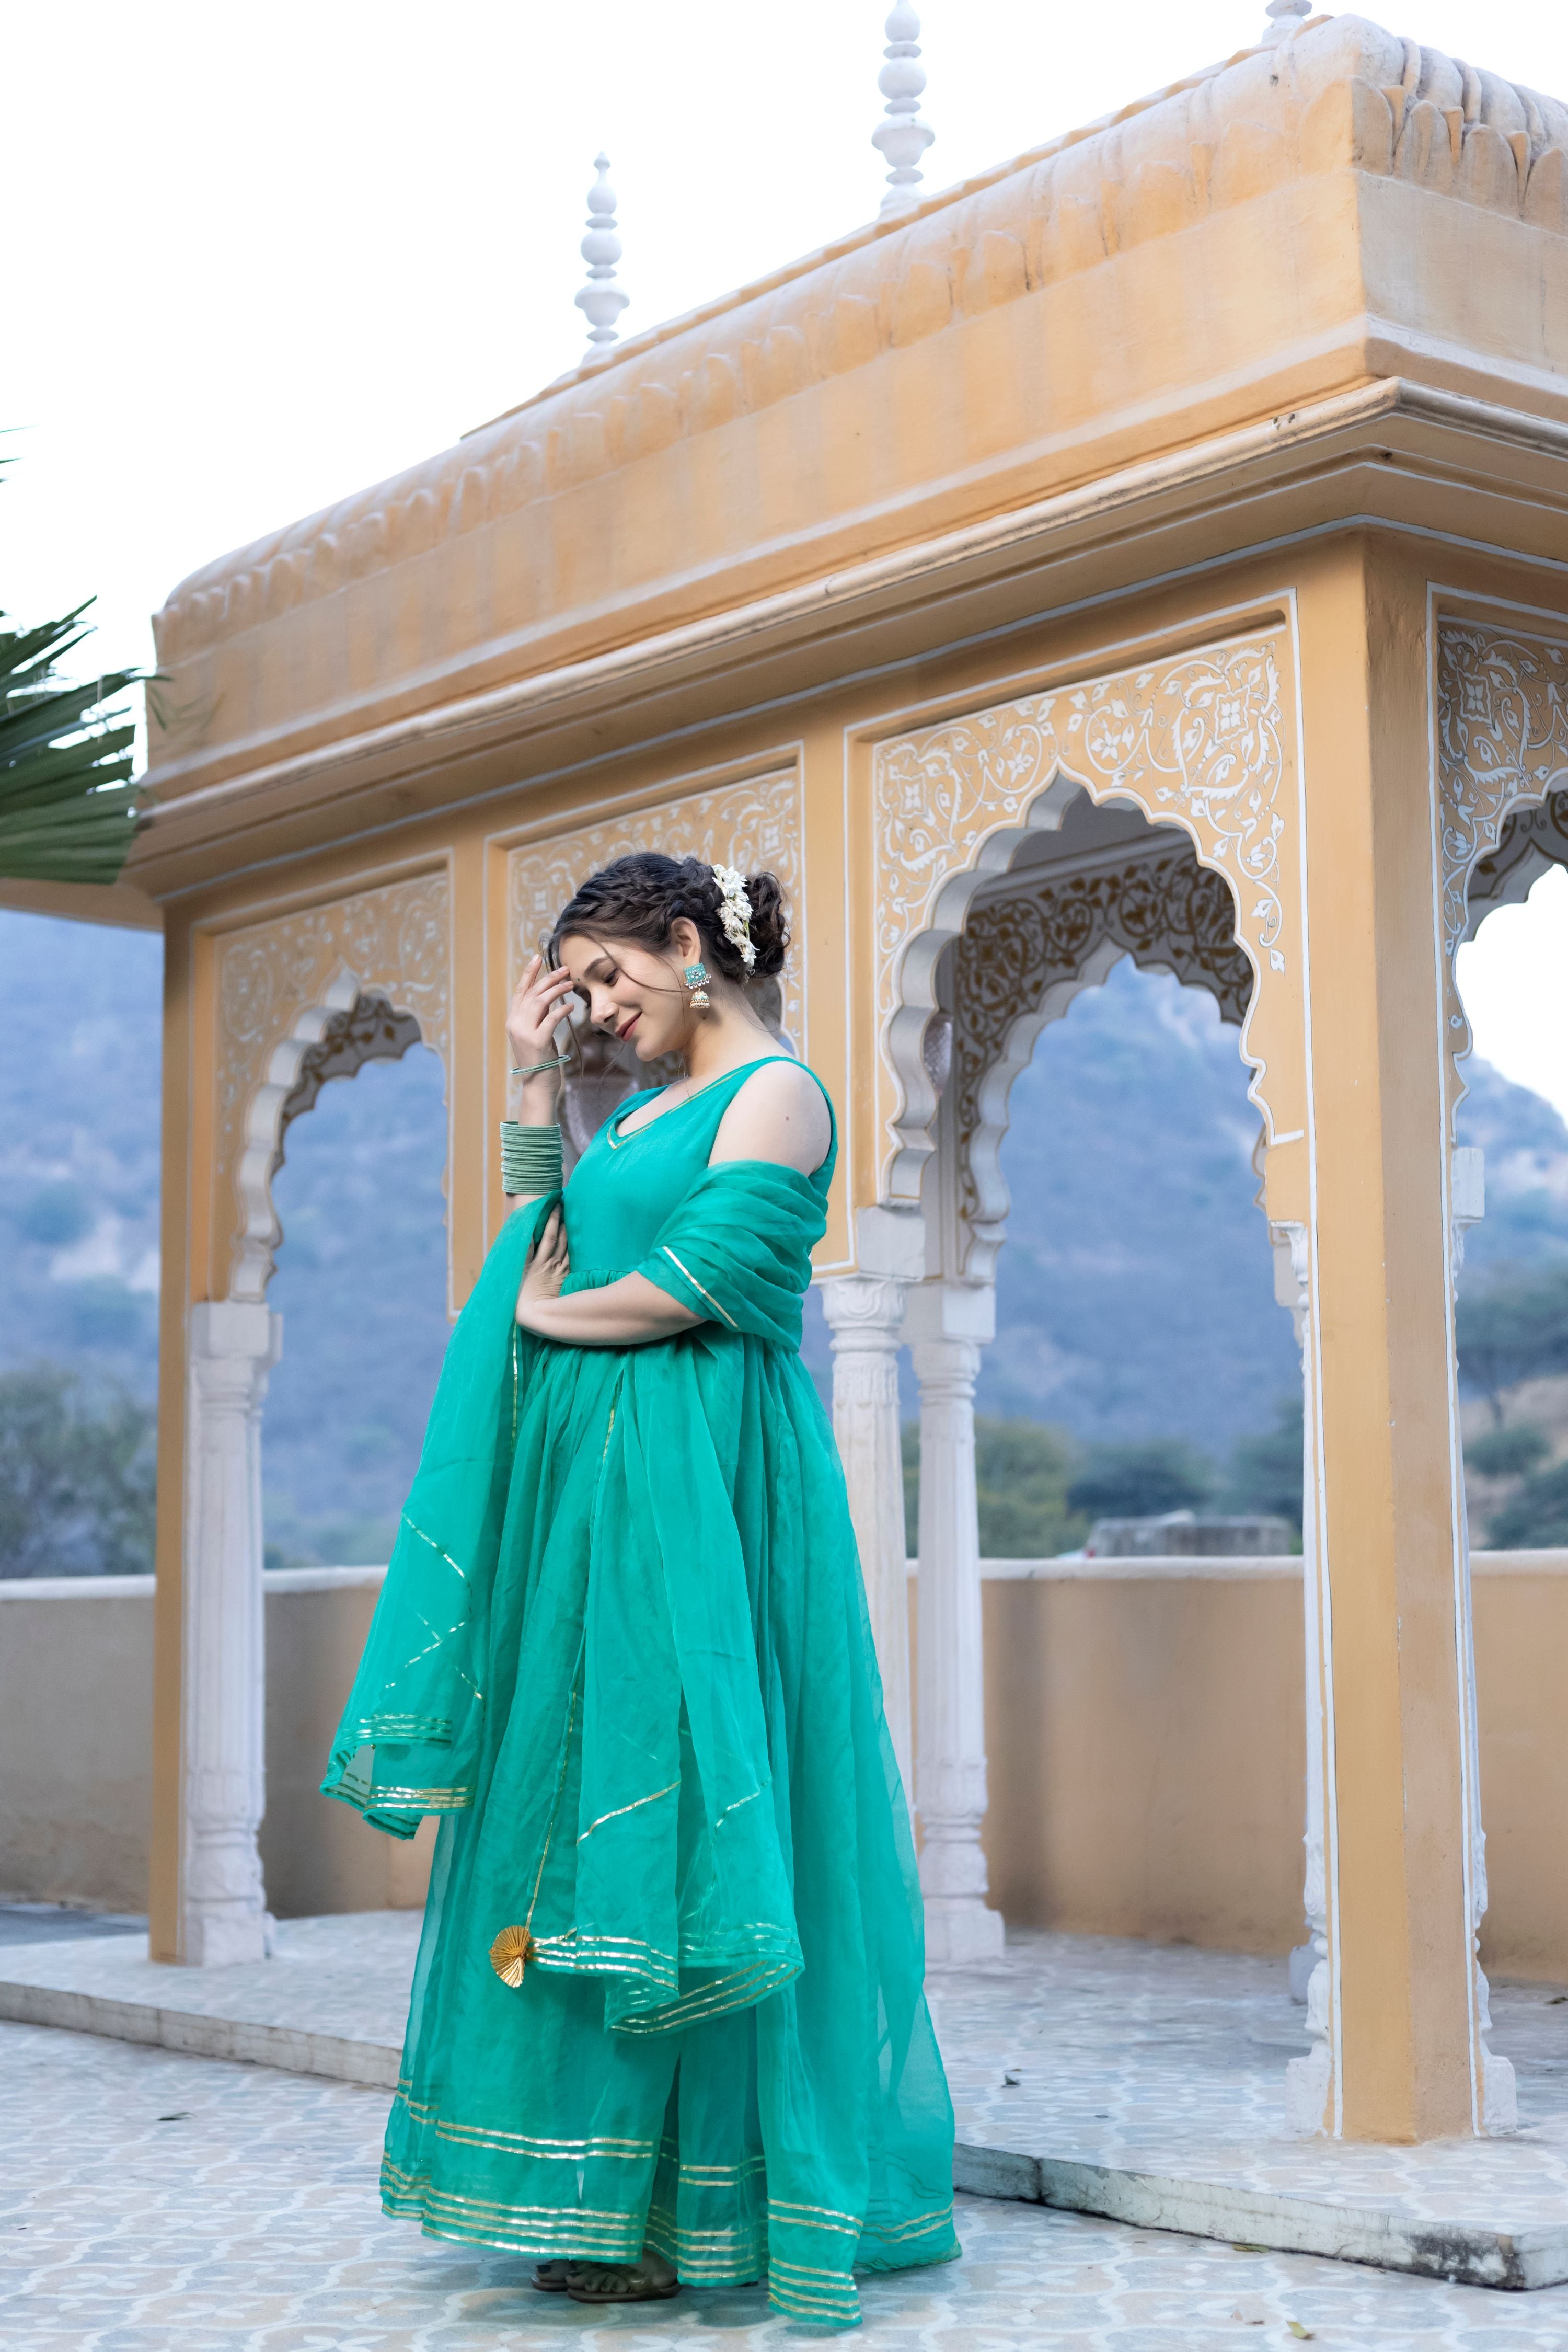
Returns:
(159,2203)
(1154,2059)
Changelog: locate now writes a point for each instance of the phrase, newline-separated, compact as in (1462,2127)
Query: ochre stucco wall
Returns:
(1146,1758)
(1146,1749)
(76,1740)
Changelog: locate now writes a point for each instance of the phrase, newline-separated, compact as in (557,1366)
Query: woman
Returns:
(668,2021)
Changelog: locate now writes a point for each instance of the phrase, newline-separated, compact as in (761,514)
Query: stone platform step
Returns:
(1134,2081)
(333,2000)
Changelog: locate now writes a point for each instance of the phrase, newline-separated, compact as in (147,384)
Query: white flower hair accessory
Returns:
(735,911)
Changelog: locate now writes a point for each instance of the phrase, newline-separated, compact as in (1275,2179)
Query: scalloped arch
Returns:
(1501,739)
(352,981)
(1023,958)
(1199,741)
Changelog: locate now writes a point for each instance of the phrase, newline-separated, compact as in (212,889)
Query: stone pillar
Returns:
(1499,2095)
(1368,1178)
(233,1345)
(1309,2081)
(948,1323)
(865,1313)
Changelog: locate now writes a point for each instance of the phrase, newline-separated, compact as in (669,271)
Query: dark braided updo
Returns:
(642,896)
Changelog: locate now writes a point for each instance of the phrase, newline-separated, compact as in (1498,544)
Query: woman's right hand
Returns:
(550,1262)
(538,1003)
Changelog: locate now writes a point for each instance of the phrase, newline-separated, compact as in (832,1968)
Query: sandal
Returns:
(550,2278)
(618,2283)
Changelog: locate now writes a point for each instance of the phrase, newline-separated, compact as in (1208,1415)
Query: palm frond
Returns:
(68,809)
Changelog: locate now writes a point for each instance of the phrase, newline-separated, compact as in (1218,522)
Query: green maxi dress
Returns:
(670,1985)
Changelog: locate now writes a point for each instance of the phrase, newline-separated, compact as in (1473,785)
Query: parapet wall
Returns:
(1144,1721)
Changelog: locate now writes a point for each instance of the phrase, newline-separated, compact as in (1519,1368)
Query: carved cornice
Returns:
(1197,741)
(1022,957)
(756,824)
(1340,92)
(308,997)
(1502,744)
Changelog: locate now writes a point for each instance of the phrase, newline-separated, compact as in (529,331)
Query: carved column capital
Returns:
(865,1313)
(948,1370)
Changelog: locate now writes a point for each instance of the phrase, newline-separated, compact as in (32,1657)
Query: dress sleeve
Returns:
(738,1250)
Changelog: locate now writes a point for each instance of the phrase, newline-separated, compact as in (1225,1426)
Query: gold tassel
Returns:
(510,1953)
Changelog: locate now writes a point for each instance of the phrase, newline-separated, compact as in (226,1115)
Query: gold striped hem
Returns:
(714,2176)
(710,2241)
(824,2213)
(738,2269)
(810,2271)
(419,2187)
(430,1800)
(597,1957)
(743,2255)
(741,1990)
(696,1285)
(539,2245)
(431,1731)
(894,2232)
(794,2306)
(574,1939)
(801,2302)
(564,2151)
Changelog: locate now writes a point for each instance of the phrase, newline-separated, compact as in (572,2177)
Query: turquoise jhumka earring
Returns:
(696,981)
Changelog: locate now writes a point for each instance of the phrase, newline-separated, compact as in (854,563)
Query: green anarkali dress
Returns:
(670,1985)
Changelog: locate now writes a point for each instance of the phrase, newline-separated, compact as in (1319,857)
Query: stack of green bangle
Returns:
(530,1159)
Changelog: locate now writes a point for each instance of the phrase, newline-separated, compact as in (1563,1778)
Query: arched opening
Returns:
(1144,1729)
(356,1206)
(1104,963)
(1509,931)
(1512,1263)
(361,1284)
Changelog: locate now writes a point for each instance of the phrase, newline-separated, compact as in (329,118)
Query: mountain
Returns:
(1135,1295)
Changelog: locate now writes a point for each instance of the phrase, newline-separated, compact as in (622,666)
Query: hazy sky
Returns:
(265,255)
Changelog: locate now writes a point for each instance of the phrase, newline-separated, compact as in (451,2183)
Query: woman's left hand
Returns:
(547,1268)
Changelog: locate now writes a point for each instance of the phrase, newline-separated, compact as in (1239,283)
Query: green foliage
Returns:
(1266,1470)
(1138,1481)
(67,808)
(1021,1474)
(1536,1515)
(76,1477)
(1508,1453)
(1515,1329)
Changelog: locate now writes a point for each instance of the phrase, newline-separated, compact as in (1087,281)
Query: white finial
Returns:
(903,138)
(601,302)
(1285,17)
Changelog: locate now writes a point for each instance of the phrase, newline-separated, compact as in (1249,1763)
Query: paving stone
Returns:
(252,2225)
